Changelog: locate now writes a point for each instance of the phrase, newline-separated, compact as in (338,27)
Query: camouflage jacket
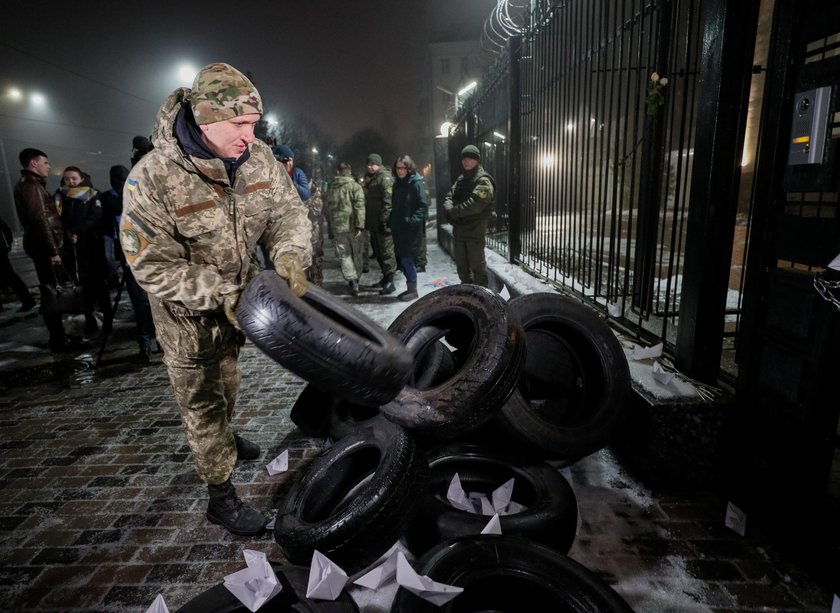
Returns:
(346,204)
(378,190)
(189,235)
(473,198)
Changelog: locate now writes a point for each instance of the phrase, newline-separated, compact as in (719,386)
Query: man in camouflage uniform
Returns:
(378,187)
(469,206)
(346,206)
(194,208)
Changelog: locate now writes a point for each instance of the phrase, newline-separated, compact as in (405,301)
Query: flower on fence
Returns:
(655,97)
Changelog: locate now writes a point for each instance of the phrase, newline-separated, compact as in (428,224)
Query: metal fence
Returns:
(599,151)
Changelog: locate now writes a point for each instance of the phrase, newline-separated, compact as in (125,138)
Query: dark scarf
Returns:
(188,136)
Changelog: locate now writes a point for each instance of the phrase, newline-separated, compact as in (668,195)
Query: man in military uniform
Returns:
(469,206)
(346,207)
(378,189)
(194,208)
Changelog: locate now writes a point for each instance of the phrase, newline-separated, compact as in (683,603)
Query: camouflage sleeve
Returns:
(157,258)
(477,204)
(387,190)
(289,229)
(357,199)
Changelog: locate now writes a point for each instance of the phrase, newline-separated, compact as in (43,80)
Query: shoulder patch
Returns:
(389,189)
(131,185)
(132,243)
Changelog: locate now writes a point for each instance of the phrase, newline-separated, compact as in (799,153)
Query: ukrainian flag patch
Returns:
(131,184)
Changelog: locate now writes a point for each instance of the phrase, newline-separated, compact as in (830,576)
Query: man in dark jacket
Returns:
(43,235)
(469,206)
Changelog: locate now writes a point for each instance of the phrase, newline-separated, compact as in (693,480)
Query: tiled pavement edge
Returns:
(101,509)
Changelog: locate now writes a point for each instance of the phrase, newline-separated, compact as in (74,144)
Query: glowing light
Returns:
(315,150)
(499,136)
(186,74)
(468,88)
(445,127)
(271,119)
(570,127)
(548,160)
(15,93)
(37,99)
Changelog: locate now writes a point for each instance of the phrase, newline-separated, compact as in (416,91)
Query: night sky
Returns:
(104,68)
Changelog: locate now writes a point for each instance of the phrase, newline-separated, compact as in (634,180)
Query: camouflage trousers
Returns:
(315,272)
(349,249)
(383,250)
(201,352)
(469,260)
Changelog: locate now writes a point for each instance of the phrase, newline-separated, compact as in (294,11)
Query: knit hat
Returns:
(470,151)
(374,158)
(221,92)
(283,151)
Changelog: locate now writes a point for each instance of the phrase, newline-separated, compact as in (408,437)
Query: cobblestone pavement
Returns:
(101,509)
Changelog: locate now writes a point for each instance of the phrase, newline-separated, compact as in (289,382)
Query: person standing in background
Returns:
(81,216)
(346,206)
(43,236)
(407,220)
(378,185)
(469,206)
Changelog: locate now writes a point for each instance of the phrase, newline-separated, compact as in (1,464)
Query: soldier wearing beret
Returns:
(194,208)
(469,206)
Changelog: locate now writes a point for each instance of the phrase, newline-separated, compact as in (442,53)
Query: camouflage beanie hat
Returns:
(221,92)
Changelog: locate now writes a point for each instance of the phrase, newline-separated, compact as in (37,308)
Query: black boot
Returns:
(387,285)
(227,510)
(354,287)
(410,293)
(245,450)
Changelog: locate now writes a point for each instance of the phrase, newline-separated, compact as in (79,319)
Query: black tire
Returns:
(354,501)
(319,413)
(323,340)
(550,516)
(294,579)
(576,383)
(490,357)
(312,410)
(508,573)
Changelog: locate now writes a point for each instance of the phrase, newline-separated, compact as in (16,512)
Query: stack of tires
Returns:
(461,382)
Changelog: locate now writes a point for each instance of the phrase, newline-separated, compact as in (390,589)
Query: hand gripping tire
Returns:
(573,393)
(491,355)
(323,340)
(294,579)
(354,501)
(318,413)
(550,514)
(507,573)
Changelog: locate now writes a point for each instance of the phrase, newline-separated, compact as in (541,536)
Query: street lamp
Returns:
(37,99)
(186,74)
(14,93)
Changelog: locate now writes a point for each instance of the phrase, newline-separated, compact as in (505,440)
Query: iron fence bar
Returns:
(714,186)
(514,138)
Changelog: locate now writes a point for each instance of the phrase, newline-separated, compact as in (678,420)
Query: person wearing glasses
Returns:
(409,207)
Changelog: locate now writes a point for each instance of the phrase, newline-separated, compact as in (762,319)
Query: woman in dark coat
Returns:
(81,215)
(409,207)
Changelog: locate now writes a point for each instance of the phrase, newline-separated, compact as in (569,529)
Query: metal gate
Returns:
(784,459)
